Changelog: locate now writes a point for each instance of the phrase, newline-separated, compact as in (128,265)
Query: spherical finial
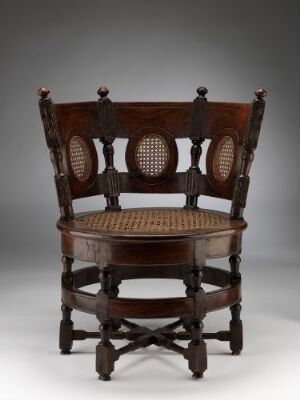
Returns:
(202,91)
(103,92)
(43,92)
(260,93)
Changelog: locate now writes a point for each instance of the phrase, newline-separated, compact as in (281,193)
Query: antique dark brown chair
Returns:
(151,242)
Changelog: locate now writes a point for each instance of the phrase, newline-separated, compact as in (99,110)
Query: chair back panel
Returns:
(226,124)
(78,125)
(174,117)
(219,115)
(151,153)
(82,116)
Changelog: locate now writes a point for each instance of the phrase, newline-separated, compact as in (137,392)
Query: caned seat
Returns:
(153,223)
(134,243)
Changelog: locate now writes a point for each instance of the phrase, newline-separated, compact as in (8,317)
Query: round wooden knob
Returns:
(103,92)
(260,93)
(43,92)
(202,91)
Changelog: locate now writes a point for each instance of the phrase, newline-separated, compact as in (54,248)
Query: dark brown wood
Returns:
(236,325)
(171,116)
(228,294)
(192,186)
(151,157)
(54,144)
(105,350)
(107,123)
(196,351)
(249,145)
(134,334)
(66,324)
(150,308)
(112,184)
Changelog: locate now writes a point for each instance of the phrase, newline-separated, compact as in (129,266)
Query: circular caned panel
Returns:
(152,155)
(223,158)
(82,158)
(153,221)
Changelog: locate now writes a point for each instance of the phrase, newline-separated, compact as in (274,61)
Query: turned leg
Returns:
(189,292)
(236,325)
(114,292)
(66,324)
(196,351)
(105,350)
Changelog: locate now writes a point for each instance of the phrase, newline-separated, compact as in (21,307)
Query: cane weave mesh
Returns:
(80,158)
(223,158)
(153,221)
(152,155)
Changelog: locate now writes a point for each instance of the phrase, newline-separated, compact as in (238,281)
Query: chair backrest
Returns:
(151,153)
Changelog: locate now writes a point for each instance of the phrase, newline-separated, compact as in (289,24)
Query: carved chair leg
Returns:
(66,330)
(196,351)
(105,350)
(236,325)
(66,324)
(114,292)
(187,322)
(236,330)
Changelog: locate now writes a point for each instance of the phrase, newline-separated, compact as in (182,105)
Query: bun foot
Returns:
(197,375)
(236,353)
(104,377)
(65,352)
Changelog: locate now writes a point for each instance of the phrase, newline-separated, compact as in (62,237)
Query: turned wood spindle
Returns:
(66,324)
(234,262)
(105,350)
(196,350)
(107,139)
(236,325)
(193,173)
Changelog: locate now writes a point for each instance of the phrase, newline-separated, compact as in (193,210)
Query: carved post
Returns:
(114,292)
(249,145)
(236,325)
(66,324)
(107,138)
(53,143)
(196,351)
(188,282)
(192,187)
(105,350)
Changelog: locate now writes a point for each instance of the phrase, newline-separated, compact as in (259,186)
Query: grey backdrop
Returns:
(145,50)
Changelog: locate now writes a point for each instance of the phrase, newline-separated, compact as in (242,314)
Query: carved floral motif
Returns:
(50,123)
(254,125)
(241,191)
(63,190)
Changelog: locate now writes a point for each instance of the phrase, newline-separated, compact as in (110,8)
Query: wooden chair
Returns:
(151,242)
